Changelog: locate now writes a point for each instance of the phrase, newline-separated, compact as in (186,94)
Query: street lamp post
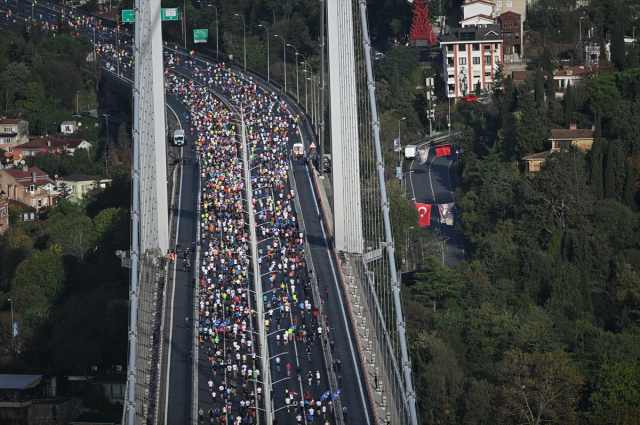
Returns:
(77,108)
(633,37)
(305,81)
(244,23)
(217,52)
(399,145)
(12,332)
(580,22)
(296,56)
(268,66)
(284,59)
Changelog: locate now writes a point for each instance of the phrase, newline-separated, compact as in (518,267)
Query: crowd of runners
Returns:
(228,321)
(227,318)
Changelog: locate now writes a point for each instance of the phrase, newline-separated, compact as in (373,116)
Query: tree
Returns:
(609,173)
(539,388)
(73,234)
(634,59)
(529,131)
(435,283)
(630,188)
(617,393)
(498,78)
(405,58)
(45,269)
(597,155)
(618,54)
(568,106)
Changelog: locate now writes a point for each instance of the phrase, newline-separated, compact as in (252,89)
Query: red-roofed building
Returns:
(568,77)
(49,144)
(28,185)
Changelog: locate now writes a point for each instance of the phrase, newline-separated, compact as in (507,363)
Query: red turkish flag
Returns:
(424,212)
(443,150)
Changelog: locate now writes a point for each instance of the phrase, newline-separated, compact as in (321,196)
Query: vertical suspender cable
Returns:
(135,207)
(387,223)
(323,10)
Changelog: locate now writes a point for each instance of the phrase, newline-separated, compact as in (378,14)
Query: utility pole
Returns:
(321,136)
(431,106)
(256,276)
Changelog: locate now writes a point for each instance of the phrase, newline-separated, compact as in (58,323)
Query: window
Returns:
(462,61)
(507,50)
(476,47)
(9,150)
(33,188)
(45,201)
(487,74)
(451,76)
(499,5)
(496,59)
(504,25)
(39,203)
(517,35)
(509,4)
(517,24)
(496,46)
(487,60)
(476,61)
(489,86)
(33,203)
(8,130)
(449,47)
(462,47)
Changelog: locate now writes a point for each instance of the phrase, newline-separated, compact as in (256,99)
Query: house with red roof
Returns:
(49,144)
(29,185)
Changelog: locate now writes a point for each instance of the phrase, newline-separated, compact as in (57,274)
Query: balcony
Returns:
(449,52)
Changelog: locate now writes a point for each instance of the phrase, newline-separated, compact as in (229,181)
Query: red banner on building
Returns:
(443,150)
(424,213)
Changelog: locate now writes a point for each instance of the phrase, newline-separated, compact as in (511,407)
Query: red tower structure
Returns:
(421,28)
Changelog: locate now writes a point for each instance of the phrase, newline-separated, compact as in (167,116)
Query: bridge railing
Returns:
(328,359)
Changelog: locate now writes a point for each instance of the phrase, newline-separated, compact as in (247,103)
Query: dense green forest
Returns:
(65,283)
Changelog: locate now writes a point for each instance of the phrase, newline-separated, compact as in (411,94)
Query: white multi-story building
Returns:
(470,56)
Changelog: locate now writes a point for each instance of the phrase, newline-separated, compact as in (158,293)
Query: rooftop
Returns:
(471,34)
(571,134)
(11,121)
(78,178)
(19,382)
(576,70)
(538,156)
(51,142)
(476,2)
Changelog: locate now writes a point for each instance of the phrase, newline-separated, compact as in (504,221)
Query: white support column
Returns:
(344,128)
(154,214)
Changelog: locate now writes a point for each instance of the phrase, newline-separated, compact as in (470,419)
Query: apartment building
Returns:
(13,132)
(29,185)
(518,7)
(512,35)
(470,57)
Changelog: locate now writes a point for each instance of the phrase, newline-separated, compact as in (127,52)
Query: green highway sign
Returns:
(127,15)
(200,36)
(170,14)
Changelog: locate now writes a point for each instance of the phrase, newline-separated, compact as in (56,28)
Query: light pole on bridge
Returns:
(268,66)
(244,24)
(294,47)
(284,59)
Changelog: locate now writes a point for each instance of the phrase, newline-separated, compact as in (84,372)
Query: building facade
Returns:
(79,184)
(591,48)
(29,185)
(512,34)
(470,57)
(503,6)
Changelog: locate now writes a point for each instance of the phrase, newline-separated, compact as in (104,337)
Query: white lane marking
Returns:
(173,290)
(344,316)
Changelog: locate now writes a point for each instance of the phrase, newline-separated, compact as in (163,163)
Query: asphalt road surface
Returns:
(434,183)
(180,293)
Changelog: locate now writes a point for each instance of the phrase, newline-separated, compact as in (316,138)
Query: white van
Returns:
(178,137)
(298,150)
(410,151)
